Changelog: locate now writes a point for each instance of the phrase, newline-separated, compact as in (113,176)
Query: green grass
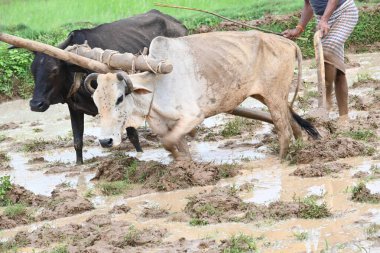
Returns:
(361,135)
(240,244)
(2,137)
(5,187)
(55,13)
(310,209)
(236,126)
(35,145)
(15,210)
(113,188)
(301,236)
(198,222)
(132,236)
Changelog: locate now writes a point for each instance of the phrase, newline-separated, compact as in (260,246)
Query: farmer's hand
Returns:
(292,33)
(324,27)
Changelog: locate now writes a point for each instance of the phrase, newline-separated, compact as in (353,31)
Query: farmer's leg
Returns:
(330,75)
(341,92)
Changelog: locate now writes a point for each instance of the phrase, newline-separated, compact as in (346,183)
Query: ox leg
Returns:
(296,129)
(133,136)
(281,119)
(183,148)
(174,140)
(77,125)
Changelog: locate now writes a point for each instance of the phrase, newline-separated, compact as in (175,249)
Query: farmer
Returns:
(336,20)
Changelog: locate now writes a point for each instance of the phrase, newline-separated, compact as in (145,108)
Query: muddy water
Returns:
(268,178)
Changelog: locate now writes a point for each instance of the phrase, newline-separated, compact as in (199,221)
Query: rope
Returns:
(222,17)
(150,67)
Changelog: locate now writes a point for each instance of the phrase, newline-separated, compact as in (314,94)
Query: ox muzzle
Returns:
(38,105)
(106,143)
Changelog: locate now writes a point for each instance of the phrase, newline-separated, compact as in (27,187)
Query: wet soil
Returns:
(224,205)
(362,194)
(329,150)
(98,234)
(157,176)
(63,202)
(320,169)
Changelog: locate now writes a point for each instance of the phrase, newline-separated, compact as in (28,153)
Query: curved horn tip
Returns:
(119,76)
(88,80)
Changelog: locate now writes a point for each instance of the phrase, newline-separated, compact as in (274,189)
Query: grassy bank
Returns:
(54,21)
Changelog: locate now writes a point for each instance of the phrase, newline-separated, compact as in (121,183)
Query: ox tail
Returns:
(299,79)
(305,125)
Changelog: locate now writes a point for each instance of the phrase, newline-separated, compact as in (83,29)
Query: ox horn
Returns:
(123,76)
(87,82)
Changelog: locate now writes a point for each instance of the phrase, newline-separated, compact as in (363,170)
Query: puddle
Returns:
(36,181)
(69,156)
(204,152)
(373,186)
(365,167)
(318,190)
(267,185)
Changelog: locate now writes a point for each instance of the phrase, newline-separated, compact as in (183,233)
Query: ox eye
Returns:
(119,100)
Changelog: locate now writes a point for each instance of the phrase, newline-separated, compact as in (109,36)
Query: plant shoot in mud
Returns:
(301,235)
(198,222)
(132,236)
(310,209)
(361,135)
(15,210)
(360,193)
(240,244)
(113,188)
(5,187)
(2,137)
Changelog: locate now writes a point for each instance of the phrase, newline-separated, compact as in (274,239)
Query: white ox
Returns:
(212,73)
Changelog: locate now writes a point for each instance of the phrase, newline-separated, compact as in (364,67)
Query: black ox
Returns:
(54,78)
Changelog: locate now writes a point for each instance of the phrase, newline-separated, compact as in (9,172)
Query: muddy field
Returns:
(236,196)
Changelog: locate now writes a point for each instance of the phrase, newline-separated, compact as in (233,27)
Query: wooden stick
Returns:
(55,52)
(319,59)
(252,114)
(222,17)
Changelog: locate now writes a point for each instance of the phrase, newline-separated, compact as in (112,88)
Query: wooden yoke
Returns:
(124,61)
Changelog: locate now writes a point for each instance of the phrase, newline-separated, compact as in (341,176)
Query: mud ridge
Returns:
(157,176)
(320,169)
(223,205)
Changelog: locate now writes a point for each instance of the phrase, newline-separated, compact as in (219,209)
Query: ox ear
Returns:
(141,90)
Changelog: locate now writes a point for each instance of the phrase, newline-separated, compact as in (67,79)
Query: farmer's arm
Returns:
(306,15)
(323,23)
